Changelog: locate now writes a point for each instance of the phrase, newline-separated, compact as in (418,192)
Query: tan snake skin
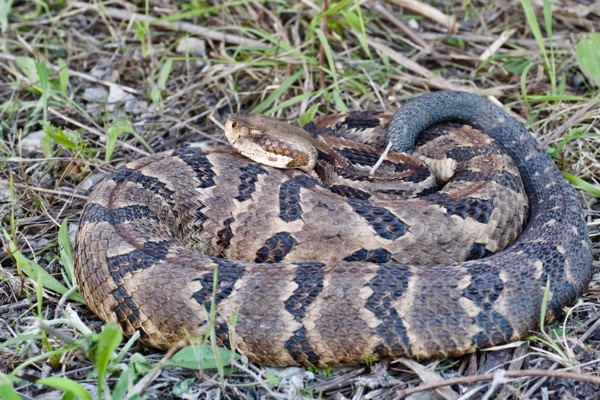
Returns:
(333,276)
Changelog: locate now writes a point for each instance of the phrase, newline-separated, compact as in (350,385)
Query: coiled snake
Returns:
(295,302)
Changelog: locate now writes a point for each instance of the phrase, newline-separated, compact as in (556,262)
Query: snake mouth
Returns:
(229,131)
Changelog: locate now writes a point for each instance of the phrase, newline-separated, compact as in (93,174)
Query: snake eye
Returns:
(234,124)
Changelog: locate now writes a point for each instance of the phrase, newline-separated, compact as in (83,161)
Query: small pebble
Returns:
(191,45)
(89,182)
(95,94)
(4,191)
(118,95)
(32,143)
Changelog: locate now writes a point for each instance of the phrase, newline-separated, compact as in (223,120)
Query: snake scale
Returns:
(290,302)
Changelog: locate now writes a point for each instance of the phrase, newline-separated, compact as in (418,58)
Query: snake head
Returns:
(271,142)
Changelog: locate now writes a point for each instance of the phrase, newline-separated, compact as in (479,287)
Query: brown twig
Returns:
(378,7)
(495,46)
(338,381)
(187,27)
(560,41)
(469,380)
(432,79)
(81,75)
(14,306)
(591,330)
(430,12)
(50,191)
(143,383)
(568,123)
(44,159)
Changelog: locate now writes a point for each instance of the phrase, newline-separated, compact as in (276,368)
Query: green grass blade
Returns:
(42,72)
(165,72)
(42,357)
(26,65)
(115,129)
(544,308)
(548,25)
(65,138)
(124,383)
(356,21)
(65,251)
(309,115)
(5,8)
(190,358)
(8,393)
(539,39)
(588,55)
(34,271)
(523,81)
(18,340)
(63,76)
(279,44)
(112,134)
(103,352)
(66,385)
(583,185)
(290,102)
(547,8)
(337,97)
(534,26)
(285,85)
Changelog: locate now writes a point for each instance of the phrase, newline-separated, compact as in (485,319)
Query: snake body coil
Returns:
(340,308)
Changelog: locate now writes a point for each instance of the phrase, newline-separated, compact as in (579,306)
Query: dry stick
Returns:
(171,25)
(432,79)
(568,123)
(147,379)
(44,159)
(404,28)
(495,46)
(560,41)
(335,383)
(81,75)
(534,388)
(430,12)
(381,158)
(427,375)
(509,374)
(256,376)
(50,191)
(13,306)
(591,330)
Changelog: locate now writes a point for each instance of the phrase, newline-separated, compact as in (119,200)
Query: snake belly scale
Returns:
(364,296)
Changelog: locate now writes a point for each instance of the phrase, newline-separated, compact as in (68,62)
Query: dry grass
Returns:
(99,69)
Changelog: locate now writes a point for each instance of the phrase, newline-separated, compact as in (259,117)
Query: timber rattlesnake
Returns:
(132,268)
